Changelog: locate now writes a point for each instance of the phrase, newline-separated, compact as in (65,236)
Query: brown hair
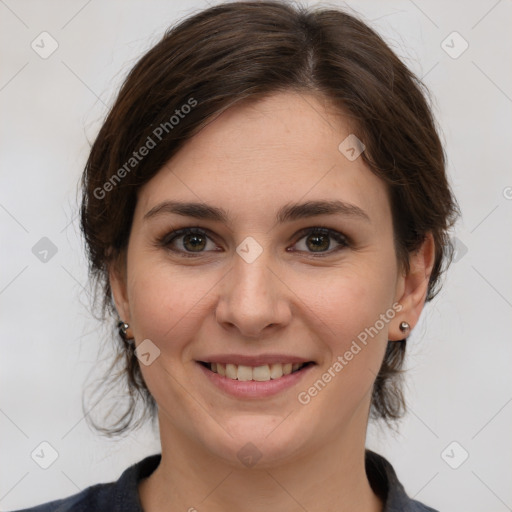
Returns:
(243,51)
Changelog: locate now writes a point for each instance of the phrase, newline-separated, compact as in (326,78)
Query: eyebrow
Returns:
(287,213)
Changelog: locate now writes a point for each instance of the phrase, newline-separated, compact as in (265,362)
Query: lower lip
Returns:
(252,388)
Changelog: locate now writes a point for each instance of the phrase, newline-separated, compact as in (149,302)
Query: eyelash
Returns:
(167,240)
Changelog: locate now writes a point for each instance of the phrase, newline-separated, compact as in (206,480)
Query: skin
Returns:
(251,160)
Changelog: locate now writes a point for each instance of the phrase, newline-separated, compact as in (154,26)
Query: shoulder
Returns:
(121,495)
(385,484)
(92,499)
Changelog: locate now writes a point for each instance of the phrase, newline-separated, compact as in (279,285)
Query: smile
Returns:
(260,373)
(256,379)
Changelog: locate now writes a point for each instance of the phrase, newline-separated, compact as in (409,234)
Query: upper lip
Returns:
(260,360)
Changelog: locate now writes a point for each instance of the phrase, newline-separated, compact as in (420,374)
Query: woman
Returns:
(266,209)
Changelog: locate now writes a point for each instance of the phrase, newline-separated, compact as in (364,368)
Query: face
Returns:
(266,286)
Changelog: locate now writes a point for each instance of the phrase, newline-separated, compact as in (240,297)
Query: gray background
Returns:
(459,385)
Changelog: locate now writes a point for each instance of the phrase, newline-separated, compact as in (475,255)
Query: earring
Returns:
(122,329)
(404,326)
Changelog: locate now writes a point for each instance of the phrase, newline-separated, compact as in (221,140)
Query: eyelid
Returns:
(323,230)
(340,238)
(170,236)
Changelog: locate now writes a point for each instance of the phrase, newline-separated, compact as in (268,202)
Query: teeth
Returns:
(261,373)
(258,373)
(231,371)
(244,372)
(276,371)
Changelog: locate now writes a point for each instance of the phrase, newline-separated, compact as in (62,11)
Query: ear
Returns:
(412,287)
(118,285)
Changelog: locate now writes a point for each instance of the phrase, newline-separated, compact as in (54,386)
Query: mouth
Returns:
(261,373)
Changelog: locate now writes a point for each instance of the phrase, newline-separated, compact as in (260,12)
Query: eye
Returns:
(188,241)
(317,240)
(193,240)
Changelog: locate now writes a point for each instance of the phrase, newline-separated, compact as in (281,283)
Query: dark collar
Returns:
(381,475)
(386,486)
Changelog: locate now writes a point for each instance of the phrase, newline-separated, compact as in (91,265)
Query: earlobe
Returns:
(413,288)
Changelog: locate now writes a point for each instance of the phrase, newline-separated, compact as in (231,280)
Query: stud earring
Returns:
(404,326)
(123,329)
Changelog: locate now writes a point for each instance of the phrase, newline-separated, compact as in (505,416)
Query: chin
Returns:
(257,440)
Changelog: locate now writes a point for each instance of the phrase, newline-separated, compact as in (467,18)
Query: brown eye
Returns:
(187,240)
(193,241)
(318,240)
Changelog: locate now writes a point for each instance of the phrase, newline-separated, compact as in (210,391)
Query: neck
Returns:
(330,477)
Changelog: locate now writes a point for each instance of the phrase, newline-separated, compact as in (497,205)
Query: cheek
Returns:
(350,299)
(354,339)
(351,309)
(165,301)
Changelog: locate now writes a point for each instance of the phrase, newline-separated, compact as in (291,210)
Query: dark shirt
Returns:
(123,496)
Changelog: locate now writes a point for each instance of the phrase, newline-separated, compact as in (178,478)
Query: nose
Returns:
(253,299)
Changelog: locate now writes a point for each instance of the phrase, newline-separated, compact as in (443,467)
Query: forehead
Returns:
(255,157)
